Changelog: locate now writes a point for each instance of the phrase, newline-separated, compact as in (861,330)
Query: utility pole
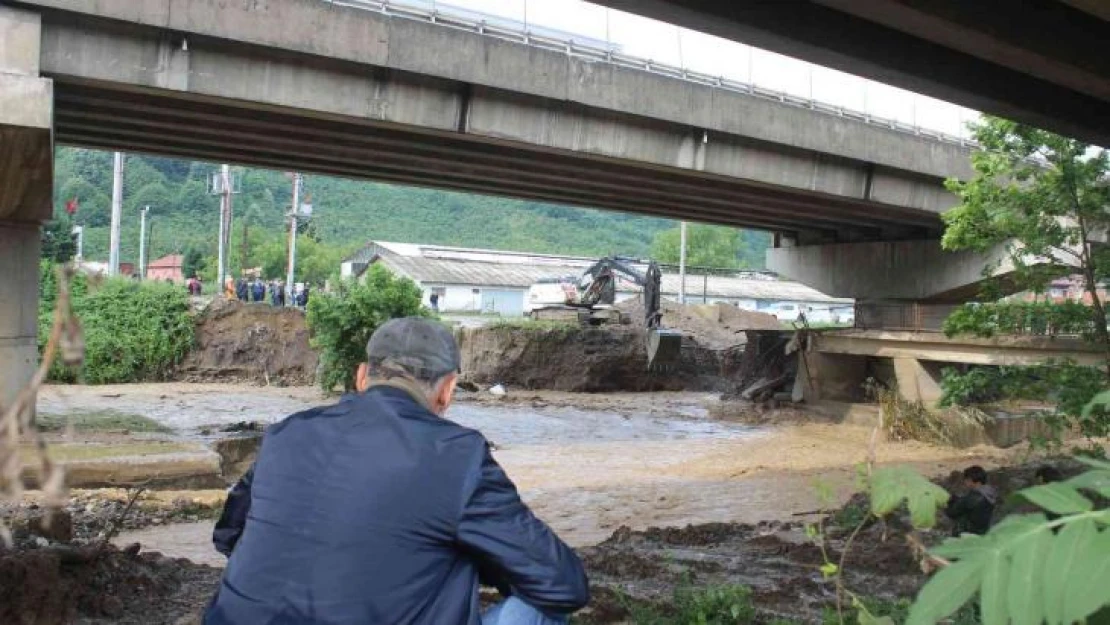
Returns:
(142,242)
(117,214)
(225,225)
(293,240)
(682,264)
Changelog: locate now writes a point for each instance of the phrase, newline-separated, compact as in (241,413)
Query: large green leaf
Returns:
(1097,463)
(964,546)
(1060,498)
(891,485)
(1095,481)
(1088,587)
(1024,599)
(1068,548)
(945,592)
(992,593)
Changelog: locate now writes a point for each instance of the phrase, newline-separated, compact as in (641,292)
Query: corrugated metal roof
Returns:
(473,272)
(521,276)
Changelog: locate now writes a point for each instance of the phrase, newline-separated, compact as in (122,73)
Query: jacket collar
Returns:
(408,387)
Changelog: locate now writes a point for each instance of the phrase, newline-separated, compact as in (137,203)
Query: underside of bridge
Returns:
(222,130)
(1042,62)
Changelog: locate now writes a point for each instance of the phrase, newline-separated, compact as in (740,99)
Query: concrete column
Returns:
(918,381)
(26,189)
(19,257)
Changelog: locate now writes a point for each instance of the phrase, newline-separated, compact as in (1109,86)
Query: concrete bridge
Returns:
(327,88)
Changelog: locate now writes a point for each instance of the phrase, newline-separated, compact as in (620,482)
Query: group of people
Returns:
(256,290)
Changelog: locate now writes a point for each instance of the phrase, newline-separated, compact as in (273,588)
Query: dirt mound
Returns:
(251,342)
(714,326)
(100,584)
(584,359)
(776,560)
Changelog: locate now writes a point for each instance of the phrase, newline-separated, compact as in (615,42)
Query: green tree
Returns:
(1043,199)
(192,262)
(58,243)
(341,322)
(706,246)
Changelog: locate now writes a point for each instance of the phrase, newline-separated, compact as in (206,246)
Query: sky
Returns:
(669,44)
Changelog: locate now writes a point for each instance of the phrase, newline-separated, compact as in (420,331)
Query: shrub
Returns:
(133,331)
(341,322)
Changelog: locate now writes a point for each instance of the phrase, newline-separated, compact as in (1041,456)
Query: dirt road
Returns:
(636,460)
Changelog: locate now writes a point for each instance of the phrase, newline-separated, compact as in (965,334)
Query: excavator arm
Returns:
(598,286)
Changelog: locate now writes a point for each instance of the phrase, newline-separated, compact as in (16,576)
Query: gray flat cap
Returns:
(422,347)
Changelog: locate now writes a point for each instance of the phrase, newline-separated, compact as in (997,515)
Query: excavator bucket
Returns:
(663,348)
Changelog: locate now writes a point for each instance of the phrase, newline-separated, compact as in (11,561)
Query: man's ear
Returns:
(362,378)
(445,393)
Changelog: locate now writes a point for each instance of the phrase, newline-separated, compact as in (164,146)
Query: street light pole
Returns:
(142,242)
(117,214)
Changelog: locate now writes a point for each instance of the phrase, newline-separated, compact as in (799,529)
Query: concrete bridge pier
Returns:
(908,271)
(26,188)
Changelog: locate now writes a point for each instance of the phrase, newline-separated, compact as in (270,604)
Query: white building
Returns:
(496,282)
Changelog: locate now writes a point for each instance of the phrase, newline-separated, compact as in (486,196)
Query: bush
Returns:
(341,323)
(134,332)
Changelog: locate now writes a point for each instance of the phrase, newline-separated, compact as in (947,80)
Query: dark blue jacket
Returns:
(377,511)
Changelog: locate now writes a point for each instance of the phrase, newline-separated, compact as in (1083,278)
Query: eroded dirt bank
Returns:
(585,359)
(250,342)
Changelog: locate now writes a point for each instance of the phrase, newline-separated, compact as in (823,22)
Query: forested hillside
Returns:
(347,213)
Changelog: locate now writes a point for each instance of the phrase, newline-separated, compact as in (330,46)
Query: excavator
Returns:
(595,293)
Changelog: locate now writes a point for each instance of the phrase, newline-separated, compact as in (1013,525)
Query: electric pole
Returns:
(222,261)
(142,242)
(117,214)
(293,240)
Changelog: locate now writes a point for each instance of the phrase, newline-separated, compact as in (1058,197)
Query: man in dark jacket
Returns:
(972,512)
(377,510)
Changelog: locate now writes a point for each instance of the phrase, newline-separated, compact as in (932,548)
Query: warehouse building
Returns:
(477,281)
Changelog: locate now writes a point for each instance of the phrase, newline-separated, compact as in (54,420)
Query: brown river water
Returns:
(587,464)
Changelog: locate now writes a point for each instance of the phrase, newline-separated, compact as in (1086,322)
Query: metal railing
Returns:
(508,30)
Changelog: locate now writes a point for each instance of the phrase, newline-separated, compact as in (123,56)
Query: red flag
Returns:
(71,206)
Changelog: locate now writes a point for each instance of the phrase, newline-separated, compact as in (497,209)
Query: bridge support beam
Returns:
(899,270)
(26,188)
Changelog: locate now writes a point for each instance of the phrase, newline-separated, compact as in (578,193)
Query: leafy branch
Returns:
(1030,568)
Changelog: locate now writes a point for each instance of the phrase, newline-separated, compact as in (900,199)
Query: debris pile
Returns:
(712,326)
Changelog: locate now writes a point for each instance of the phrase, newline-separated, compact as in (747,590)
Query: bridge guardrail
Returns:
(500,28)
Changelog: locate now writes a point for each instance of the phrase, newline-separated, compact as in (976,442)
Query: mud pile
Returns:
(713,326)
(585,359)
(250,342)
(777,561)
(60,585)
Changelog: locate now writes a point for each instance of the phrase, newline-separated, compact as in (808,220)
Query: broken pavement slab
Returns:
(149,463)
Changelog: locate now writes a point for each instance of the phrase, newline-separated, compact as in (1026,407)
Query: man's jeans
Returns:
(513,611)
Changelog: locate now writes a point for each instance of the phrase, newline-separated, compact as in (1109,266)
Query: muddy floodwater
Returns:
(586,467)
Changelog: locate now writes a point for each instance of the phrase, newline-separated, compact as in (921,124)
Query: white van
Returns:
(550,292)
